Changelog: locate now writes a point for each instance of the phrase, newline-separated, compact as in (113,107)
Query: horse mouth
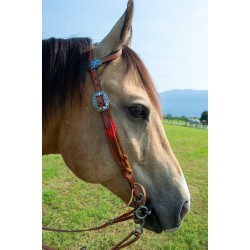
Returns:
(153,223)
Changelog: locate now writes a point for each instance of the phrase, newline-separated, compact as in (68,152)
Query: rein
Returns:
(100,102)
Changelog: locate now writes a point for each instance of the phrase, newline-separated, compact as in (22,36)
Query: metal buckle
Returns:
(95,63)
(105,100)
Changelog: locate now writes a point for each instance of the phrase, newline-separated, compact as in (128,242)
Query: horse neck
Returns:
(50,134)
(70,113)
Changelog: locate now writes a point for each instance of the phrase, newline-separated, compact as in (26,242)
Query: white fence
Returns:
(185,122)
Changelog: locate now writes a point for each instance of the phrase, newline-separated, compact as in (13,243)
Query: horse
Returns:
(204,122)
(73,128)
(196,122)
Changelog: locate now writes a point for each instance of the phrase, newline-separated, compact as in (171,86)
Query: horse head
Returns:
(80,138)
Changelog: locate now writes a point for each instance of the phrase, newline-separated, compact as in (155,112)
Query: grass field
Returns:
(70,203)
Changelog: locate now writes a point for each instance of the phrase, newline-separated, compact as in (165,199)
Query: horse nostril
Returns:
(184,210)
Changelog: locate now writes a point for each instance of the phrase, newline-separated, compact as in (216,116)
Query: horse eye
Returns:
(138,111)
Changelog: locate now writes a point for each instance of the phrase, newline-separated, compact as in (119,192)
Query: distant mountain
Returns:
(184,102)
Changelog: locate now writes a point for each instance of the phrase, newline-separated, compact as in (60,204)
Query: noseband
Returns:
(100,102)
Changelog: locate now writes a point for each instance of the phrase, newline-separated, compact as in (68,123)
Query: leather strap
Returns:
(122,243)
(98,88)
(126,216)
(46,247)
(97,84)
(112,57)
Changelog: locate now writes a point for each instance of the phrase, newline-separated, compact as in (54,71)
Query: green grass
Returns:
(72,204)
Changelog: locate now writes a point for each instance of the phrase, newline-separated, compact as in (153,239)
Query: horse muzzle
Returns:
(171,220)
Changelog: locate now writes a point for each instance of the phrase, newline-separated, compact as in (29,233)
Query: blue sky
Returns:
(169,35)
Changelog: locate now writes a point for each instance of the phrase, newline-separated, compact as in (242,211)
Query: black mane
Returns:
(64,64)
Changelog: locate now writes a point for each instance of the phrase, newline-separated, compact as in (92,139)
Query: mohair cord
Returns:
(116,148)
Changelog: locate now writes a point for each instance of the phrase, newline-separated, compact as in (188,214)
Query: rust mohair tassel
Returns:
(111,131)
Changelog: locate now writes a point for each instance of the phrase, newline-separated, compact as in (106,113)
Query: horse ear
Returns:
(120,34)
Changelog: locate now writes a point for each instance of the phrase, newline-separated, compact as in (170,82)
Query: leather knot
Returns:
(125,165)
(125,157)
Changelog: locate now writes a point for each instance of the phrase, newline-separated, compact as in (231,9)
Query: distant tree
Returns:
(204,116)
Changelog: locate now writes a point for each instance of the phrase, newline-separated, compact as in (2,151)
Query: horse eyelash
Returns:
(145,111)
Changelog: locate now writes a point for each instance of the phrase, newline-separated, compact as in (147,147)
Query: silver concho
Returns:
(105,100)
(95,63)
